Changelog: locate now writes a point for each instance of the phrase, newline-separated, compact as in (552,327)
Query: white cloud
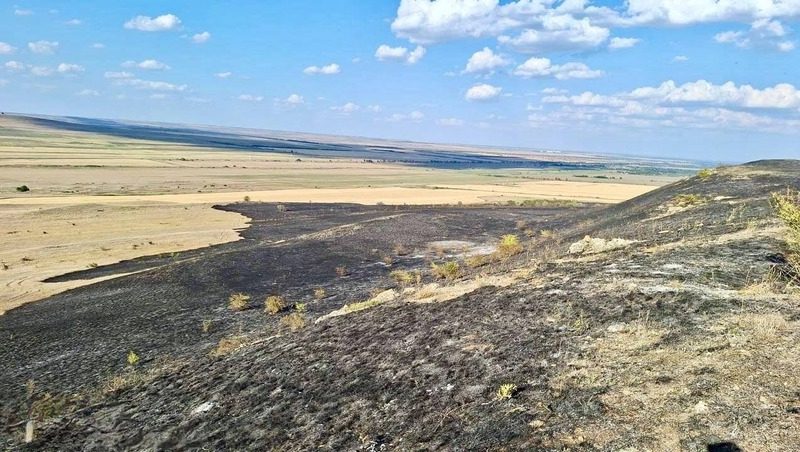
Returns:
(3,82)
(375,108)
(158,96)
(347,108)
(88,92)
(763,33)
(551,91)
(543,67)
(294,99)
(250,98)
(623,43)
(414,116)
(74,22)
(67,68)
(223,74)
(451,122)
(122,79)
(680,59)
(387,53)
(674,12)
(23,12)
(41,71)
(149,65)
(201,38)
(558,33)
(485,61)
(329,69)
(483,92)
(117,75)
(98,45)
(15,66)
(43,47)
(6,49)
(161,23)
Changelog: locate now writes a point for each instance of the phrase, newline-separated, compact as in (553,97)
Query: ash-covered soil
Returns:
(682,336)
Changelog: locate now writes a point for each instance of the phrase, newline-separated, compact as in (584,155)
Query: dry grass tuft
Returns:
(688,200)
(294,321)
(406,277)
(787,208)
(449,270)
(509,246)
(506,391)
(320,293)
(274,304)
(238,301)
(400,250)
(228,345)
(342,271)
(706,173)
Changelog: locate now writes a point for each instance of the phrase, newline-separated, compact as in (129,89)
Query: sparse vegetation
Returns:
(449,270)
(274,304)
(296,320)
(687,200)
(509,246)
(280,208)
(133,358)
(706,173)
(23,189)
(319,293)
(246,199)
(400,250)
(228,345)
(787,208)
(506,391)
(405,277)
(238,301)
(206,326)
(360,306)
(342,271)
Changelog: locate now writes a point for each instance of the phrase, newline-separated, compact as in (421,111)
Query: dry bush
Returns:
(341,271)
(294,321)
(387,260)
(206,326)
(509,246)
(405,277)
(124,381)
(522,225)
(274,304)
(449,270)
(238,301)
(228,345)
(687,200)
(319,293)
(280,208)
(787,208)
(400,250)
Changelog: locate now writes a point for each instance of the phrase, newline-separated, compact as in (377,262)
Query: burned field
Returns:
(668,322)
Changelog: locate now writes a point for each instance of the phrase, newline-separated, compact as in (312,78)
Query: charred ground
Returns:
(676,337)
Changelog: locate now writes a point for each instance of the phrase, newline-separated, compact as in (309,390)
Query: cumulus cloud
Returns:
(250,98)
(414,116)
(117,75)
(161,23)
(23,12)
(347,108)
(388,53)
(126,79)
(558,33)
(6,49)
(329,69)
(14,66)
(43,47)
(223,74)
(543,67)
(294,99)
(67,68)
(622,43)
(672,12)
(485,61)
(74,22)
(201,38)
(680,59)
(482,92)
(450,122)
(762,33)
(41,71)
(88,92)
(149,65)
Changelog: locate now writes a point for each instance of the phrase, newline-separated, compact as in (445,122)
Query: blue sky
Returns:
(710,79)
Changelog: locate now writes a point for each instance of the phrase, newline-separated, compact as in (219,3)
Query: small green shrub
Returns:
(403,276)
(238,301)
(449,270)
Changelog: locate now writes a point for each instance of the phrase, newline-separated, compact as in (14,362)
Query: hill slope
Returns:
(673,337)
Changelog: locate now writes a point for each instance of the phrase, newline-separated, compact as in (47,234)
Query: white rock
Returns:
(203,407)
